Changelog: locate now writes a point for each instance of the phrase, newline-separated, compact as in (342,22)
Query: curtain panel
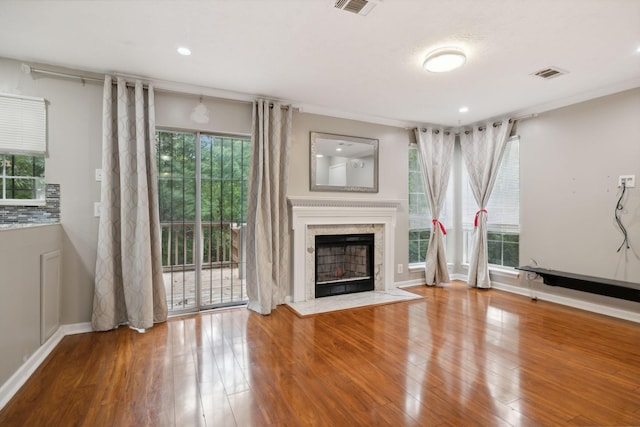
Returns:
(482,150)
(435,155)
(129,287)
(268,242)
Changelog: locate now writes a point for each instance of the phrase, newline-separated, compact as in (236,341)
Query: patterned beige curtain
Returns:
(482,150)
(268,242)
(435,152)
(129,287)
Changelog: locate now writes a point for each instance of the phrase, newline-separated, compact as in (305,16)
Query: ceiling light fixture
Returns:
(463,109)
(444,59)
(200,113)
(184,51)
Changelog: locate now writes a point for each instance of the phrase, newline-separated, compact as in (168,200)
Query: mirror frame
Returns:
(313,150)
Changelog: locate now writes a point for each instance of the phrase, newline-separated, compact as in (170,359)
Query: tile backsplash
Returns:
(47,214)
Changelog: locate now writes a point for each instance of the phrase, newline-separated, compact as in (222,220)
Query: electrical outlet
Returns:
(97,207)
(400,268)
(98,175)
(629,181)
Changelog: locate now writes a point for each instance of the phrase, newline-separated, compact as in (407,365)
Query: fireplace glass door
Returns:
(344,264)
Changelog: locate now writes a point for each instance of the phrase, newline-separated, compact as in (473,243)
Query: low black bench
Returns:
(595,285)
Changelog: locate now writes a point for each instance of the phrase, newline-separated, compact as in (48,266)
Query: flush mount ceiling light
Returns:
(445,59)
(463,109)
(184,51)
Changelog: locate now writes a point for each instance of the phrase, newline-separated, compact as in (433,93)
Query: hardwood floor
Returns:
(457,357)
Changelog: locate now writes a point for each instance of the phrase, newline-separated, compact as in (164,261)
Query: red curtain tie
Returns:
(475,221)
(436,223)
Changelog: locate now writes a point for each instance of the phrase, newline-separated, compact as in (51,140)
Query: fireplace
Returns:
(311,217)
(344,264)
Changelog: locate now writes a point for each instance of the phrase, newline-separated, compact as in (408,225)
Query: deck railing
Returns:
(221,243)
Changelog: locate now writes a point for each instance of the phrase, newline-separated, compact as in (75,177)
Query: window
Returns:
(23,142)
(504,211)
(21,178)
(420,212)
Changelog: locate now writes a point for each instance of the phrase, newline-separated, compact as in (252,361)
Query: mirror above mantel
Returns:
(343,163)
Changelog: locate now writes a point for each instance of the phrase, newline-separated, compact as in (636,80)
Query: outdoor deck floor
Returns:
(220,286)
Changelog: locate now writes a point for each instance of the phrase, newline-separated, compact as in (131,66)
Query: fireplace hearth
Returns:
(344,264)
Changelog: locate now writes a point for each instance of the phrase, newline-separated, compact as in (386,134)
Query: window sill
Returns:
(23,202)
(503,271)
(19,226)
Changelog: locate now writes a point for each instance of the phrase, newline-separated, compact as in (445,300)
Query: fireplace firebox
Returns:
(344,264)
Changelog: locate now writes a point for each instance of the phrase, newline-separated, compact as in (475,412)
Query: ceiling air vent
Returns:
(360,7)
(549,73)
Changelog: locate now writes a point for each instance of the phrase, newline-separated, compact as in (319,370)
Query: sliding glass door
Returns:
(202,186)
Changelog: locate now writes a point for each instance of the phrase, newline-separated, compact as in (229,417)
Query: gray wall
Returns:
(74,144)
(392,178)
(20,251)
(230,117)
(570,160)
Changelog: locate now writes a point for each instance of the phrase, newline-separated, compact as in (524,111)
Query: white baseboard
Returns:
(571,302)
(407,283)
(17,380)
(458,276)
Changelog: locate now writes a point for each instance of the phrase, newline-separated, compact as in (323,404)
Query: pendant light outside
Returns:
(445,59)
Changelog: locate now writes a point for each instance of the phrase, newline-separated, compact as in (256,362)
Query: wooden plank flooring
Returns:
(458,357)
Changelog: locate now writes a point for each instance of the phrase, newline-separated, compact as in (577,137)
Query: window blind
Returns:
(23,125)
(504,203)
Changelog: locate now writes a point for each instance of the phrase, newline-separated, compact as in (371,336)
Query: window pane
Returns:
(495,252)
(511,255)
(511,237)
(20,166)
(38,166)
(496,237)
(18,188)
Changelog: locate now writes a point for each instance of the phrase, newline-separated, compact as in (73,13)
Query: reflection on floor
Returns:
(347,301)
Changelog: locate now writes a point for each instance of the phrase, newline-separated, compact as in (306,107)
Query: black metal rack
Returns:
(595,285)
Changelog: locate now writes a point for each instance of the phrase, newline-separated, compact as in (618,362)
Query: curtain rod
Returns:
(284,107)
(28,69)
(83,79)
(447,132)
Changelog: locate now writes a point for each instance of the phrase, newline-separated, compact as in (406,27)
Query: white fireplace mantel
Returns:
(319,211)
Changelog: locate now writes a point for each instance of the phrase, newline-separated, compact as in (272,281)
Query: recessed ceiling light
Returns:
(338,149)
(319,155)
(445,59)
(463,109)
(184,51)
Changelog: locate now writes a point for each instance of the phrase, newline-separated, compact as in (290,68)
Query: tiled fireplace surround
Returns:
(311,216)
